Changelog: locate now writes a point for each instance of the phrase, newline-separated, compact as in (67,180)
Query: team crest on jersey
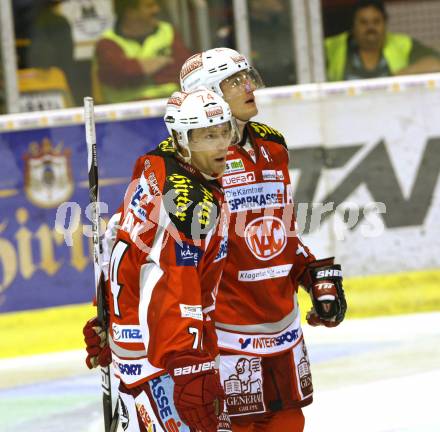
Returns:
(47,174)
(266,237)
(243,384)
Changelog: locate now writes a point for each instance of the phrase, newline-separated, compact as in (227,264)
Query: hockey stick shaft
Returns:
(92,160)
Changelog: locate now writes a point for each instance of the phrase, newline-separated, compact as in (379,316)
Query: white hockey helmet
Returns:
(200,108)
(209,68)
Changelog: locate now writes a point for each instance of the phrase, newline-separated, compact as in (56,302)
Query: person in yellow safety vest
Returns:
(370,51)
(140,58)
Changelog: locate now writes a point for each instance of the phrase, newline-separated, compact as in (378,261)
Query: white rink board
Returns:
(356,142)
(384,120)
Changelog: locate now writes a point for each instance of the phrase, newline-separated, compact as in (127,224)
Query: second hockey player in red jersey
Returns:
(264,364)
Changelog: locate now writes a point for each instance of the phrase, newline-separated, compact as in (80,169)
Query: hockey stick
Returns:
(110,419)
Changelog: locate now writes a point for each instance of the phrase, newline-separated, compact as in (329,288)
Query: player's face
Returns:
(209,147)
(238,92)
(369,28)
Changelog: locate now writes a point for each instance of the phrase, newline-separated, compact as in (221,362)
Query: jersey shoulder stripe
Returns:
(267,133)
(165,148)
(190,201)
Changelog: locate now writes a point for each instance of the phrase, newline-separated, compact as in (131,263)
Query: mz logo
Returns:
(376,173)
(266,237)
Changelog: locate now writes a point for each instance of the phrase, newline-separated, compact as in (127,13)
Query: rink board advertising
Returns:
(40,169)
(364,159)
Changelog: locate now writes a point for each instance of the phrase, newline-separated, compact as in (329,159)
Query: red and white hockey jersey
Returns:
(257,311)
(165,266)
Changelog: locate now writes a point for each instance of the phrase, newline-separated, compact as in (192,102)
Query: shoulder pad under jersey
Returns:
(191,205)
(266,132)
(165,148)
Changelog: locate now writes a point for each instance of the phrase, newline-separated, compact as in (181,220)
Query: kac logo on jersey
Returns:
(187,255)
(266,237)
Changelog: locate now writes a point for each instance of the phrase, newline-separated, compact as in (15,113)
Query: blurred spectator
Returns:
(24,17)
(222,21)
(51,43)
(45,55)
(370,51)
(271,41)
(140,58)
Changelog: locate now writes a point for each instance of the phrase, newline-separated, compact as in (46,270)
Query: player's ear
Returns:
(181,150)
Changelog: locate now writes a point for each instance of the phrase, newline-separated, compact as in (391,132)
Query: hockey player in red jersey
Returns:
(164,272)
(264,365)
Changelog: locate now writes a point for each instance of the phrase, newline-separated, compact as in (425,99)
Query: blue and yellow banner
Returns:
(39,170)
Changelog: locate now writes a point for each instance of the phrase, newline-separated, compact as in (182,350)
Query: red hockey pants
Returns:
(288,420)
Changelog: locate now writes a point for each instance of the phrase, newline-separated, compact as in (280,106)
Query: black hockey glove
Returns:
(323,281)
